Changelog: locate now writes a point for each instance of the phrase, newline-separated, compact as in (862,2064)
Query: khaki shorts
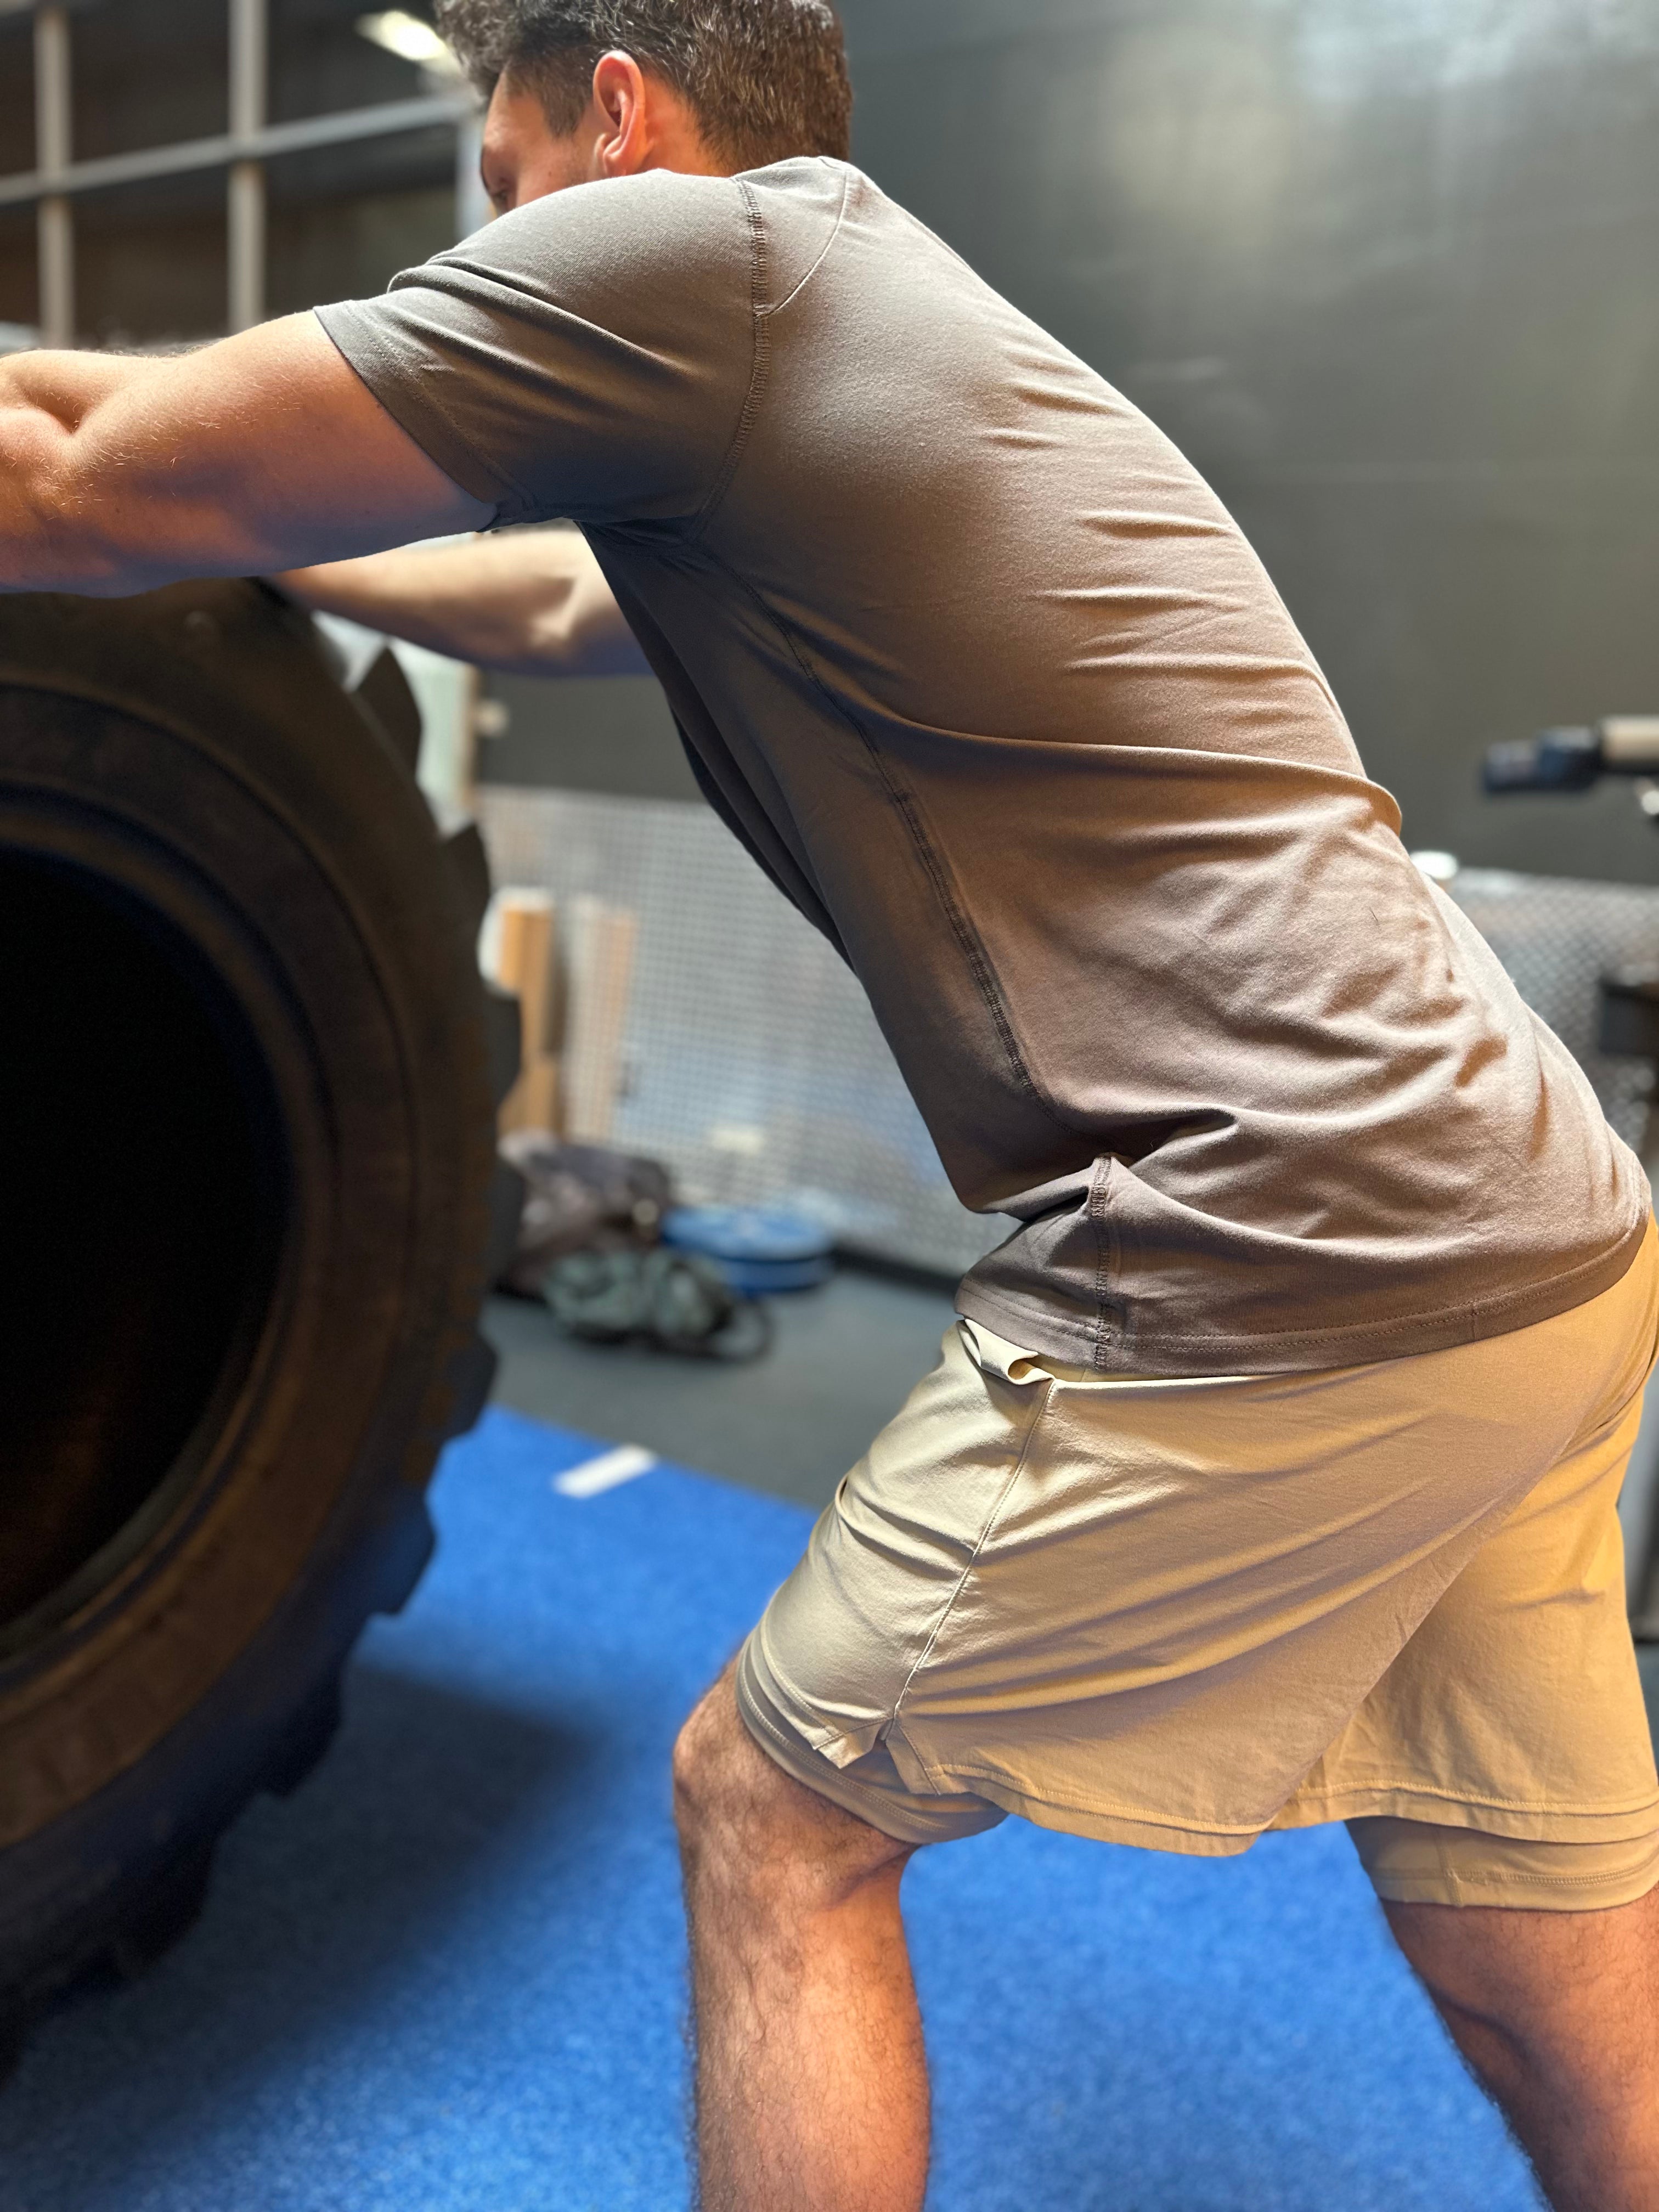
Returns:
(1180,1613)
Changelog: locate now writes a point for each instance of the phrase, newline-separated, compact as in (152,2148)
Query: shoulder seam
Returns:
(762,351)
(827,247)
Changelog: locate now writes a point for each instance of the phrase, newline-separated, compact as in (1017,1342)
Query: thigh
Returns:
(735,1807)
(1586,1981)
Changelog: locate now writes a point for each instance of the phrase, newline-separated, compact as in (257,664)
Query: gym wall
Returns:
(609,733)
(1385,269)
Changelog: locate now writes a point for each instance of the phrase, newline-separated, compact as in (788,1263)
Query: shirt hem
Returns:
(1040,1330)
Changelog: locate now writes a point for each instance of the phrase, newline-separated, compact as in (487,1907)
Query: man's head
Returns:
(581,89)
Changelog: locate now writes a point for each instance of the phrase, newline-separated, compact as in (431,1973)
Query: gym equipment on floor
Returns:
(762,1251)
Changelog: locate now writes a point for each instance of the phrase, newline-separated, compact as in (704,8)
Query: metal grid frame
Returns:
(248,142)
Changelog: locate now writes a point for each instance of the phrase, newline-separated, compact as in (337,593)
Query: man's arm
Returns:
(264,453)
(531,603)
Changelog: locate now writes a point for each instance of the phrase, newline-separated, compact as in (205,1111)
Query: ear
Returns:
(623,102)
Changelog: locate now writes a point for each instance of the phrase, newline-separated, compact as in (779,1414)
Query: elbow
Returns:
(581,642)
(55,536)
(544,649)
(509,646)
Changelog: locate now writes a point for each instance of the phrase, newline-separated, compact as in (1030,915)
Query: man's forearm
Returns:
(529,603)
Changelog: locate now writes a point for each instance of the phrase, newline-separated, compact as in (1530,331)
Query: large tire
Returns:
(247,1110)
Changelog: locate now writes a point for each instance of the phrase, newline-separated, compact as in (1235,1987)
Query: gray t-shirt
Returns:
(990,684)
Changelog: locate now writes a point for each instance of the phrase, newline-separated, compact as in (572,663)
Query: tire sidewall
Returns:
(193,750)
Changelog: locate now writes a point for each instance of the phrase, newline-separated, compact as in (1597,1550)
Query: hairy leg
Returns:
(1556,2015)
(811,2083)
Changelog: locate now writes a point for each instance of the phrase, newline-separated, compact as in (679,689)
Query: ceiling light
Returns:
(411,40)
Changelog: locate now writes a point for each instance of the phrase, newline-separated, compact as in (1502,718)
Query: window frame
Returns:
(242,151)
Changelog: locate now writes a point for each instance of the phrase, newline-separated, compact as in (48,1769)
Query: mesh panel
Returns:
(1557,939)
(753,1066)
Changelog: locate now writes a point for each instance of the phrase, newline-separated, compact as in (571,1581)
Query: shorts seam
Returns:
(1498,1878)
(1039,1408)
(1100,1810)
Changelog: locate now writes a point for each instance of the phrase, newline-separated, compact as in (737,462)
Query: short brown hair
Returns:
(766,79)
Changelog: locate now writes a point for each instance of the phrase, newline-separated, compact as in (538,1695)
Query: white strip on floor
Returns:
(608,1472)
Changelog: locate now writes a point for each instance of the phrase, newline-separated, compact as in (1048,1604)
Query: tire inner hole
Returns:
(142,1217)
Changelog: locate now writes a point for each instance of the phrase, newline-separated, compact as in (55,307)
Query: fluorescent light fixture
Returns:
(411,40)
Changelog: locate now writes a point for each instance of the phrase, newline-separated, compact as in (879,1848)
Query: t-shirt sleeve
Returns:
(589,355)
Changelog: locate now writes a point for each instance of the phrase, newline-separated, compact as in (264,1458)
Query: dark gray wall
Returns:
(605,733)
(1389,271)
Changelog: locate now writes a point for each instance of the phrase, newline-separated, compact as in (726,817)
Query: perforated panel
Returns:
(1557,939)
(753,1065)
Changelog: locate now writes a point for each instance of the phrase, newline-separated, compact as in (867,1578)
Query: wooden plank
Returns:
(603,941)
(524,965)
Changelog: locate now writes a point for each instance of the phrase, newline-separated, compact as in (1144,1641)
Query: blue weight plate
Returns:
(769,1236)
(770,1279)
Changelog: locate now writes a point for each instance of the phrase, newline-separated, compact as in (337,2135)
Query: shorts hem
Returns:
(873,1806)
(1144,1834)
(1146,1831)
(805,1747)
(1522,1893)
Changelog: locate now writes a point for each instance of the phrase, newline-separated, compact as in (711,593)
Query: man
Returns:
(1269,1478)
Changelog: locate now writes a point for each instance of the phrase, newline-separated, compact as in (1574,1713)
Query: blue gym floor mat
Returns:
(447,1976)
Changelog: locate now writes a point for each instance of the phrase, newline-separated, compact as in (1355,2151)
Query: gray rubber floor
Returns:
(845,1360)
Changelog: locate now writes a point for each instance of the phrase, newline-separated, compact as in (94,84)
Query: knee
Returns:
(714,1781)
(731,1801)
(744,1823)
